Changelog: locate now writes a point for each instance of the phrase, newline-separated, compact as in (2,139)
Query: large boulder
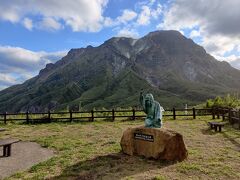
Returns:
(157,143)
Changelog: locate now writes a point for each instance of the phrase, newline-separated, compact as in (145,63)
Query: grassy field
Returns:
(92,151)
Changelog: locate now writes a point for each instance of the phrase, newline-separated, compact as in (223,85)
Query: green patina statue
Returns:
(152,109)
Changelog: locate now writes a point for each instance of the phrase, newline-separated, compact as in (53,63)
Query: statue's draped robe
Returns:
(154,114)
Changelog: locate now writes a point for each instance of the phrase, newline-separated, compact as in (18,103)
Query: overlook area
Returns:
(92,150)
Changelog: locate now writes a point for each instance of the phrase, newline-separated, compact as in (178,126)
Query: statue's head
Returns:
(149,100)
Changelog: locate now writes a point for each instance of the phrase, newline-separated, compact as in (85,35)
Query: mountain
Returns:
(165,63)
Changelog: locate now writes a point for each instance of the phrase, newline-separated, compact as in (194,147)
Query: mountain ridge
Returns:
(171,66)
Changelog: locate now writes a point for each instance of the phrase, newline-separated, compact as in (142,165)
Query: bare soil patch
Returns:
(24,155)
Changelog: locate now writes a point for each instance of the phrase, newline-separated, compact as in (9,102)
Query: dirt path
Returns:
(24,155)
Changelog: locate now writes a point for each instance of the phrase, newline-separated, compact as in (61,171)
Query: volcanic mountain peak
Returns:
(166,63)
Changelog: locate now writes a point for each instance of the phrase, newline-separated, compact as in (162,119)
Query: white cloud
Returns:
(151,2)
(28,23)
(219,44)
(156,12)
(217,23)
(194,33)
(3,87)
(182,32)
(108,22)
(125,32)
(6,80)
(15,55)
(18,64)
(176,18)
(8,14)
(144,12)
(80,15)
(126,16)
(234,60)
(148,10)
(144,16)
(49,24)
(236,63)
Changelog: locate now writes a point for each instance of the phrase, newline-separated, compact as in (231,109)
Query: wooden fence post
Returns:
(49,116)
(92,112)
(113,115)
(239,119)
(27,117)
(194,113)
(133,114)
(213,112)
(229,115)
(218,113)
(174,114)
(5,118)
(70,111)
(223,117)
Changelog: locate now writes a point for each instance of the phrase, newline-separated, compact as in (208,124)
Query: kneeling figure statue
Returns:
(152,109)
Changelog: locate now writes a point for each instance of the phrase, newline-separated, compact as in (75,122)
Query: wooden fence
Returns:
(232,115)
(96,114)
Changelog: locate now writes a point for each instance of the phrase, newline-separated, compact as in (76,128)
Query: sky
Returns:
(36,32)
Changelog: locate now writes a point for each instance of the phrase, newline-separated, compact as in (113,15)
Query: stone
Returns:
(157,143)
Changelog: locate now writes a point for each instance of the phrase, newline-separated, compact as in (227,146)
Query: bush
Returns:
(227,101)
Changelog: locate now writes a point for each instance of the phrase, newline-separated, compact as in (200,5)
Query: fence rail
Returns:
(232,115)
(70,116)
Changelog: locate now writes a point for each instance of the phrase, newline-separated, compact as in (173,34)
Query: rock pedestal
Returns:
(157,143)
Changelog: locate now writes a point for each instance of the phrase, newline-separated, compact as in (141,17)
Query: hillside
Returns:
(171,66)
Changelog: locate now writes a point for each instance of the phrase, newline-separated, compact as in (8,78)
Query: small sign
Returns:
(144,137)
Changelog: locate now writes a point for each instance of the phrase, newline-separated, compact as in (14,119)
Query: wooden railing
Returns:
(232,115)
(90,116)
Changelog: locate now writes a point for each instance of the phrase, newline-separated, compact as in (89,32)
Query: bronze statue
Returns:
(153,110)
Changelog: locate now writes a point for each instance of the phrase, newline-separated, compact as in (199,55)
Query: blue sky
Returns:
(65,38)
(34,33)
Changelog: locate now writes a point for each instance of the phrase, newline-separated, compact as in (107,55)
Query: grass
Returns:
(92,151)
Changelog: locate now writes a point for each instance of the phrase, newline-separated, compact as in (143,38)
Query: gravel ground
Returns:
(24,155)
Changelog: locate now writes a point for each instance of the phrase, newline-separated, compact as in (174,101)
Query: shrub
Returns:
(226,101)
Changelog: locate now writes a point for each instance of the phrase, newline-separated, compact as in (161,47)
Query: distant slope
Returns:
(171,66)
